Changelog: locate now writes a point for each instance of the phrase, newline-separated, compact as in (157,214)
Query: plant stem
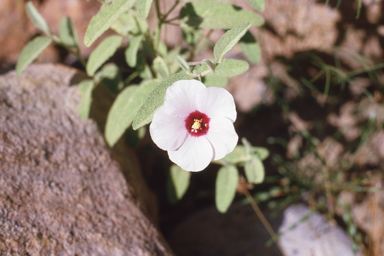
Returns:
(131,77)
(172,8)
(199,45)
(69,49)
(159,24)
(263,220)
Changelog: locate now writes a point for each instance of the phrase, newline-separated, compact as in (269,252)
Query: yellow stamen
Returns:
(196,125)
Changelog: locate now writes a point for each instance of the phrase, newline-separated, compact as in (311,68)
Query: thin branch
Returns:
(263,220)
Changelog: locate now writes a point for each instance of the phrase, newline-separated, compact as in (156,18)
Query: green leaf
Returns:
(160,68)
(239,154)
(68,32)
(226,184)
(109,71)
(250,48)
(216,81)
(132,49)
(124,109)
(129,23)
(36,18)
(217,15)
(162,49)
(227,68)
(155,100)
(254,170)
(210,65)
(179,183)
(262,153)
(259,5)
(143,68)
(228,41)
(124,24)
(108,14)
(190,34)
(85,88)
(30,52)
(182,63)
(102,53)
(143,7)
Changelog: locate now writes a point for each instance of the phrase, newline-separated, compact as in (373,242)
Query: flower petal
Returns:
(167,131)
(222,136)
(180,97)
(194,155)
(215,102)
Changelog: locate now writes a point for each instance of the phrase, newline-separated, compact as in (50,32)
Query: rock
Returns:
(62,193)
(313,236)
(236,233)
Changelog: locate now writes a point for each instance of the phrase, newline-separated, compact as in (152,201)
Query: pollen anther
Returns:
(196,125)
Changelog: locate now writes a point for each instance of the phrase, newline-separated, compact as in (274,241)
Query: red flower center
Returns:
(197,123)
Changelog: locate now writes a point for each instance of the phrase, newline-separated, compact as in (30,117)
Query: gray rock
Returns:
(312,237)
(61,191)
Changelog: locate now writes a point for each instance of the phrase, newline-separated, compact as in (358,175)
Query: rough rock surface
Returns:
(313,236)
(61,193)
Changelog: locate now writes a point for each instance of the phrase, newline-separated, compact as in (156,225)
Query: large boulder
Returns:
(61,190)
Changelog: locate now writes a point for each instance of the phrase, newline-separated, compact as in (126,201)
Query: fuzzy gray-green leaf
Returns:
(108,14)
(85,88)
(36,18)
(254,170)
(216,15)
(108,71)
(68,32)
(228,41)
(261,152)
(180,182)
(102,53)
(259,5)
(124,109)
(227,68)
(160,68)
(30,52)
(143,7)
(250,48)
(226,184)
(216,81)
(240,154)
(182,63)
(130,23)
(155,100)
(131,51)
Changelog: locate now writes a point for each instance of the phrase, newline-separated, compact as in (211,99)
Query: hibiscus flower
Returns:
(195,124)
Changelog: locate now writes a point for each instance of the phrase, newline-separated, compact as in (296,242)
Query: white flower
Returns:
(195,124)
